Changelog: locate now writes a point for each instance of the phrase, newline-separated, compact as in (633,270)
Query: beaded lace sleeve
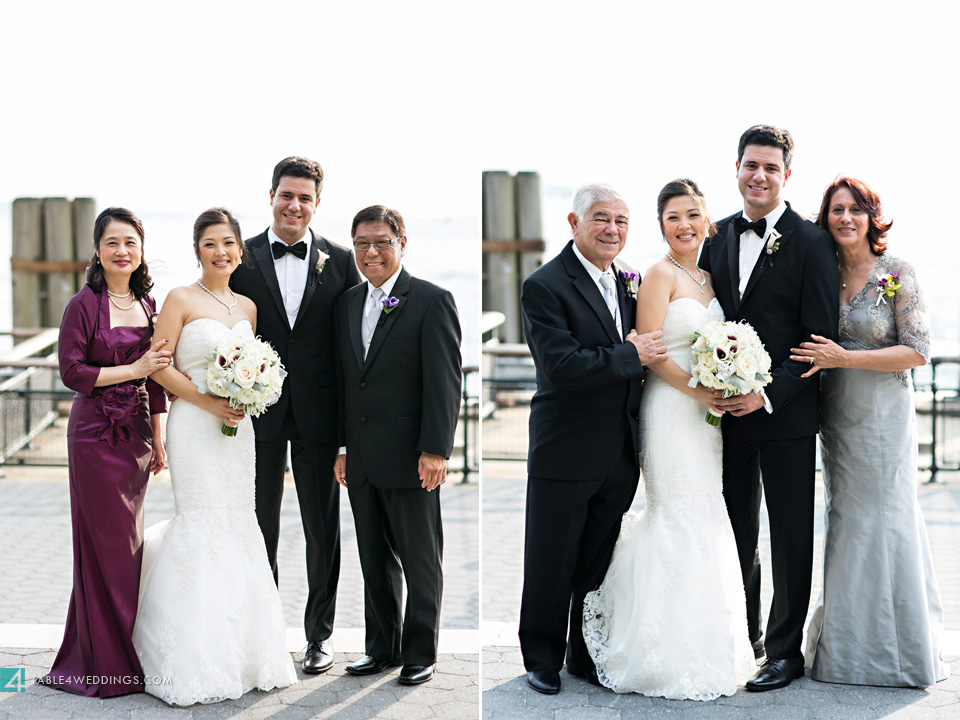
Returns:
(910,310)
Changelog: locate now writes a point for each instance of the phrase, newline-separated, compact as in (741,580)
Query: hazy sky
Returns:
(183,105)
(638,94)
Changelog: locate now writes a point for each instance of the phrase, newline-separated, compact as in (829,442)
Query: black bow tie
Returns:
(280,249)
(741,225)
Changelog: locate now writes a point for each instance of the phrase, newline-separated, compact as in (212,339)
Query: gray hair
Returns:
(589,195)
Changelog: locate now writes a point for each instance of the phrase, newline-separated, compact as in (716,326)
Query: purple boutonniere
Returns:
(629,281)
(389,304)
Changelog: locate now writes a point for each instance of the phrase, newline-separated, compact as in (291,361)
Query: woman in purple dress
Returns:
(113,442)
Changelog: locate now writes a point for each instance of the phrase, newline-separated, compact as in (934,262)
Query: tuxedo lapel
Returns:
(591,293)
(312,279)
(785,227)
(733,264)
(265,264)
(626,321)
(387,320)
(355,303)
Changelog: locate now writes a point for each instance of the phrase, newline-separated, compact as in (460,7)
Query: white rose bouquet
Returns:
(248,372)
(729,356)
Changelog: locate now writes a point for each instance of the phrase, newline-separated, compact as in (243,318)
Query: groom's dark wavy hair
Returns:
(300,167)
(771,137)
(684,187)
(140,281)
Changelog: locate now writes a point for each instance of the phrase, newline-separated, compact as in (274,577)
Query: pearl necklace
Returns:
(118,305)
(701,282)
(118,295)
(211,294)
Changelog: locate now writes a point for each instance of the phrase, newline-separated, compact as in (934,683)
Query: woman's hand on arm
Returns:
(827,354)
(158,459)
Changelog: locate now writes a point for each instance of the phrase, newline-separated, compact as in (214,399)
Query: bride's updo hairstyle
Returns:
(218,216)
(679,188)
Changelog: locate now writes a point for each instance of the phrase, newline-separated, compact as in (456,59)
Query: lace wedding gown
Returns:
(669,619)
(209,626)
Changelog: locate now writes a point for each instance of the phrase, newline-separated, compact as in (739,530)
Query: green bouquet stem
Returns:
(232,431)
(712,419)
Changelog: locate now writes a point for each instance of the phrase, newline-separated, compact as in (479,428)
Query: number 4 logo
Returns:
(13,679)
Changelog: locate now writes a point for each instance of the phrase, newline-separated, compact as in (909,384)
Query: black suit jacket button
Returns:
(363,419)
(292,340)
(363,386)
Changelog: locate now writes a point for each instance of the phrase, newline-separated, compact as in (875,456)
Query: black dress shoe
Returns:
(544,681)
(590,676)
(368,665)
(758,651)
(776,673)
(318,658)
(415,674)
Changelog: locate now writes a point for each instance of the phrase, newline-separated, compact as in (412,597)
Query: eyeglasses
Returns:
(381,245)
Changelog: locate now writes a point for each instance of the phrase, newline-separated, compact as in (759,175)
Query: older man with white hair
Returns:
(578,317)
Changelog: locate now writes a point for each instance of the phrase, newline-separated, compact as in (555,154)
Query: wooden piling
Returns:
(59,247)
(529,220)
(501,288)
(27,246)
(84,217)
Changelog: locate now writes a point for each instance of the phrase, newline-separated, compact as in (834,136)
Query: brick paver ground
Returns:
(506,695)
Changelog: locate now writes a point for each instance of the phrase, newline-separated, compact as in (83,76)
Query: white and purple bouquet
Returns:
(248,372)
(729,356)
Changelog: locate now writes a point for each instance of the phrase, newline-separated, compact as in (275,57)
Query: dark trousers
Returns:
(571,530)
(319,496)
(787,468)
(400,535)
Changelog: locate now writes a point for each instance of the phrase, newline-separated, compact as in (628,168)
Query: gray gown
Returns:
(879,619)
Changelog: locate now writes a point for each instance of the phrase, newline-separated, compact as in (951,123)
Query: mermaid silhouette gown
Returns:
(210,625)
(669,619)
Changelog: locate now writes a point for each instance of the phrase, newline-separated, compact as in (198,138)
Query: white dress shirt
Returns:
(594,272)
(751,245)
(291,275)
(387,288)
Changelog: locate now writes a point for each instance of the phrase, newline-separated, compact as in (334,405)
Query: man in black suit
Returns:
(778,272)
(398,344)
(578,317)
(294,278)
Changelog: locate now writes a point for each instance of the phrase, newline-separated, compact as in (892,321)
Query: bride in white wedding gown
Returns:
(669,619)
(209,622)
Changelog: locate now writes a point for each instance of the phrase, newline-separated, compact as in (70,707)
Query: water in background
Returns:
(936,272)
(445,251)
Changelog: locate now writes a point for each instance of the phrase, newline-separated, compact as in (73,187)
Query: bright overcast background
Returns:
(636,94)
(172,107)
(179,105)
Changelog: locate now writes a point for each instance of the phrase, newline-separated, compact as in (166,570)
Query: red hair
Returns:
(869,201)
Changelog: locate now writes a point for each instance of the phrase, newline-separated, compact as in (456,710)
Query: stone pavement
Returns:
(506,695)
(36,568)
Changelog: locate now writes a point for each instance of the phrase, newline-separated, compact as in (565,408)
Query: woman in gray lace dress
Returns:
(879,619)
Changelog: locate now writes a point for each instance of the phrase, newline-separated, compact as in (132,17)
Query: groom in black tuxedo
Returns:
(294,278)
(398,345)
(578,317)
(778,272)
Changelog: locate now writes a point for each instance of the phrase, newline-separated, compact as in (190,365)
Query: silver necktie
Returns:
(371,314)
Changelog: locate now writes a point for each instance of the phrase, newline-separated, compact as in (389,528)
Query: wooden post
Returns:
(84,216)
(27,244)
(529,220)
(59,246)
(501,288)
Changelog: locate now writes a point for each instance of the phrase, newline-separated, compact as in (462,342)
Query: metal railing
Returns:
(509,383)
(939,398)
(33,402)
